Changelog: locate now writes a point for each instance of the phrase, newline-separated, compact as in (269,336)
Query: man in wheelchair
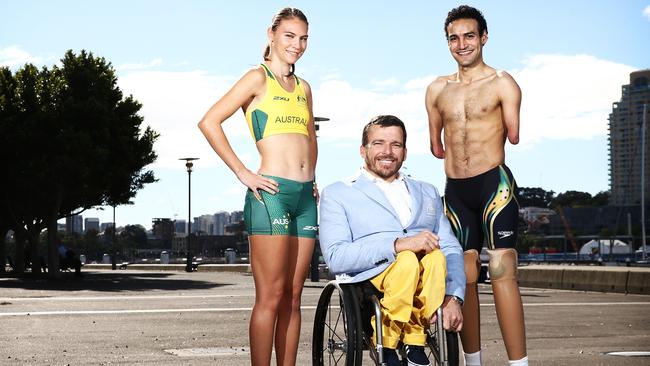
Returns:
(389,229)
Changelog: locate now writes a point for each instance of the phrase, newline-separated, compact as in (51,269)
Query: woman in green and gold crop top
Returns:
(280,204)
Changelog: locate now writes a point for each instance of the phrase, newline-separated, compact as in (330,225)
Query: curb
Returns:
(628,280)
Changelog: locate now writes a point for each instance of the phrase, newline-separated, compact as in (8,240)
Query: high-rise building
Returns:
(105,225)
(91,223)
(625,126)
(74,224)
(236,217)
(221,219)
(194,225)
(180,227)
(204,224)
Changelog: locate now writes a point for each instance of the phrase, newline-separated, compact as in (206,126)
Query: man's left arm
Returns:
(510,106)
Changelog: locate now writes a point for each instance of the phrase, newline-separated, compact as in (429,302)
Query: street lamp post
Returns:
(317,120)
(189,164)
(113,259)
(313,272)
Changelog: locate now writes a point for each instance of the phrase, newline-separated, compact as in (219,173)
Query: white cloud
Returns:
(350,108)
(173,103)
(646,12)
(564,97)
(330,75)
(14,56)
(385,84)
(568,97)
(419,84)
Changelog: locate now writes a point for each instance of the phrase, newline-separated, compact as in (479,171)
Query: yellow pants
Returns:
(413,289)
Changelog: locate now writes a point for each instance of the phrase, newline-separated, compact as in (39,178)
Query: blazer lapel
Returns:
(416,199)
(370,189)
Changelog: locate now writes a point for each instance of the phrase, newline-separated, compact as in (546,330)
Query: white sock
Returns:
(522,362)
(473,359)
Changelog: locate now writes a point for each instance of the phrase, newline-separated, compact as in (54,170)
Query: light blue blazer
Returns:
(358,228)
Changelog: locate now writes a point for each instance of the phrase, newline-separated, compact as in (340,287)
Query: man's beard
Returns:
(376,167)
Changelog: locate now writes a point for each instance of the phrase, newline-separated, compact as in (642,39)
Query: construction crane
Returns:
(567,229)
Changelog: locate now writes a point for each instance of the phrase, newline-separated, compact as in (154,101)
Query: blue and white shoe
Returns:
(415,356)
(391,358)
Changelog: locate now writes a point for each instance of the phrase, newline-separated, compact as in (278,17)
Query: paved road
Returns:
(172,318)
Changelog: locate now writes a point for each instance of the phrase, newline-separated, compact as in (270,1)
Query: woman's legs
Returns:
(279,264)
(287,335)
(269,261)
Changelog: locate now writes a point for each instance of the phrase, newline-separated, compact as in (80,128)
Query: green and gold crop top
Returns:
(279,111)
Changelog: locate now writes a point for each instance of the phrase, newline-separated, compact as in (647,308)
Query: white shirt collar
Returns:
(375,179)
(396,193)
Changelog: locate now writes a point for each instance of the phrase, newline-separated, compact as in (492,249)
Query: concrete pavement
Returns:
(633,280)
(175,318)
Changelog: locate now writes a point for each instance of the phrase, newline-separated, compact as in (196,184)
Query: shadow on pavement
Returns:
(108,282)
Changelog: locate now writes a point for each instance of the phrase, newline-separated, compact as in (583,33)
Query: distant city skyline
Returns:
(363,59)
(211,226)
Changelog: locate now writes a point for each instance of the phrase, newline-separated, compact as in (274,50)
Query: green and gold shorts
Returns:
(291,211)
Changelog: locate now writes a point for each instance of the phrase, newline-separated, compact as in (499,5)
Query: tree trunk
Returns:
(33,239)
(52,250)
(19,255)
(53,239)
(3,250)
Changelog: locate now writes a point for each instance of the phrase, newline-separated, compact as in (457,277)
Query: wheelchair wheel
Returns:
(453,352)
(450,341)
(337,335)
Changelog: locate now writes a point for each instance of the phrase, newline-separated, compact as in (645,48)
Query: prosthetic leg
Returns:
(471,333)
(510,311)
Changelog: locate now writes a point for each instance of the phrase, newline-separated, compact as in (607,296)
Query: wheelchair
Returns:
(343,330)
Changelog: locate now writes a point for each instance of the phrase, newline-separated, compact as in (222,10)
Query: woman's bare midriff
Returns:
(287,156)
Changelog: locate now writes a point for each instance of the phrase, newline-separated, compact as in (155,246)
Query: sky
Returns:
(364,58)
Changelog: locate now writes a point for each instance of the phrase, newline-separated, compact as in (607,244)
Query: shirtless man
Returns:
(476,109)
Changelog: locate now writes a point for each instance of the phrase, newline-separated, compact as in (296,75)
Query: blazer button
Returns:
(404,231)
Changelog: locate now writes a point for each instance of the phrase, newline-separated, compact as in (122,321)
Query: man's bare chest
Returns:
(460,102)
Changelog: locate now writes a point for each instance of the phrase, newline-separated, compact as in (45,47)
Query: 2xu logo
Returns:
(310,228)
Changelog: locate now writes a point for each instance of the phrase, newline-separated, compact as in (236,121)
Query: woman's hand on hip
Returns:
(256,182)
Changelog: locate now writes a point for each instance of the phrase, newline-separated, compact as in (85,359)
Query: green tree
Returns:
(581,199)
(136,234)
(28,110)
(572,199)
(601,199)
(534,197)
(132,237)
(8,110)
(73,142)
